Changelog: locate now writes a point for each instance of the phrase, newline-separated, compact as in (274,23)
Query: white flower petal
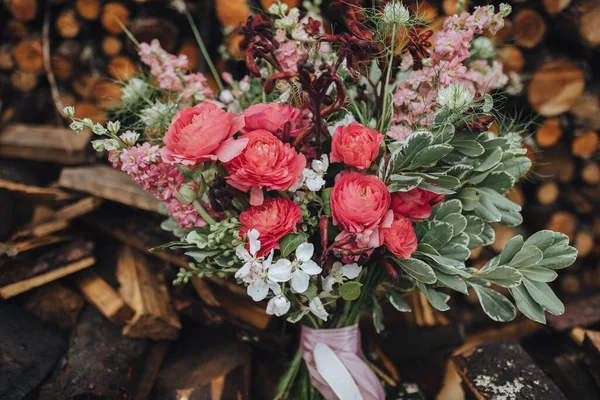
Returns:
(253,235)
(300,280)
(315,184)
(311,267)
(327,283)
(281,271)
(244,271)
(242,253)
(278,305)
(258,290)
(351,271)
(275,288)
(317,308)
(267,262)
(305,251)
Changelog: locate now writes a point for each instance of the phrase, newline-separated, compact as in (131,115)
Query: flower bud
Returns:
(186,194)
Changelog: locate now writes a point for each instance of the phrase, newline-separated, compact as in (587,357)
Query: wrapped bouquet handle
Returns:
(335,364)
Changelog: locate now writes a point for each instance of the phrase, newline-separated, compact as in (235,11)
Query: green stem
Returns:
(209,62)
(387,80)
(287,380)
(203,213)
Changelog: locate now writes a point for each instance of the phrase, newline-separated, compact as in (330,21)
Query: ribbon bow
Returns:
(335,364)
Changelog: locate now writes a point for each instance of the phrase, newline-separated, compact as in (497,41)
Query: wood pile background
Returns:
(93,313)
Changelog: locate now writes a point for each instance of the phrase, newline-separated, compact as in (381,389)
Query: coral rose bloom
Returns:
(359,202)
(415,204)
(265,162)
(355,145)
(270,117)
(274,219)
(400,238)
(202,133)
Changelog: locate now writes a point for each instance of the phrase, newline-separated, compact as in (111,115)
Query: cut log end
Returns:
(589,23)
(113,16)
(24,10)
(529,28)
(88,9)
(68,25)
(548,133)
(585,145)
(555,87)
(29,56)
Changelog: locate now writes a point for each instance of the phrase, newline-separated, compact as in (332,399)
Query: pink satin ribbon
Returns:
(346,347)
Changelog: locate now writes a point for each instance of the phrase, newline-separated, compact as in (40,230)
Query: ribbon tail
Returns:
(334,372)
(364,377)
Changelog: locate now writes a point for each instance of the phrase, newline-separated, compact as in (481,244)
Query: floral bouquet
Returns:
(345,171)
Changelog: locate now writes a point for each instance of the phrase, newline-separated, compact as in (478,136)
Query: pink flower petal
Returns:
(256,196)
(230,149)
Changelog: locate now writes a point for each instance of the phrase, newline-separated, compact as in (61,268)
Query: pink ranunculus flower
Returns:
(270,117)
(266,162)
(415,204)
(359,202)
(400,237)
(355,145)
(202,133)
(274,219)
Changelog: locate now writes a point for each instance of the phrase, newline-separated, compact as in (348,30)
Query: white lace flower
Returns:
(288,21)
(134,91)
(482,47)
(338,272)
(278,305)
(455,97)
(299,271)
(395,13)
(130,137)
(347,120)
(255,271)
(159,115)
(317,308)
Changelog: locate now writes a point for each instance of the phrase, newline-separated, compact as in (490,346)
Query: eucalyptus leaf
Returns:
(510,249)
(377,316)
(417,269)
(544,296)
(494,304)
(528,256)
(503,276)
(397,300)
(538,274)
(290,242)
(452,281)
(527,305)
(438,300)
(469,198)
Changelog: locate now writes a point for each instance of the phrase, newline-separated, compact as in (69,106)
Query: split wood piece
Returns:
(114,16)
(29,349)
(107,94)
(586,144)
(154,317)
(572,376)
(111,46)
(43,143)
(555,6)
(20,277)
(88,9)
(555,87)
(219,369)
(17,29)
(590,173)
(102,296)
(100,363)
(557,163)
(586,111)
(504,369)
(83,85)
(108,183)
(584,243)
(512,58)
(547,193)
(35,193)
(202,288)
(91,111)
(67,24)
(529,28)
(6,59)
(450,6)
(578,313)
(153,363)
(122,68)
(192,52)
(570,284)
(589,22)
(63,68)
(591,343)
(28,55)
(548,133)
(242,308)
(23,81)
(13,249)
(55,303)
(23,10)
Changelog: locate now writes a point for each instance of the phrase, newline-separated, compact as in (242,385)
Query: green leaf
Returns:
(469,198)
(290,242)
(452,281)
(430,155)
(499,181)
(488,103)
(455,251)
(503,276)
(495,305)
(458,221)
(201,241)
(417,269)
(444,264)
(488,235)
(200,256)
(395,298)
(491,159)
(558,257)
(544,296)
(326,195)
(511,218)
(487,210)
(542,239)
(296,316)
(517,166)
(435,189)
(438,234)
(377,316)
(528,256)
(446,208)
(470,148)
(499,200)
(350,290)
(438,300)
(528,306)
(510,249)
(538,274)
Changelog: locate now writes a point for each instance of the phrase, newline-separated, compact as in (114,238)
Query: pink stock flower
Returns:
(289,54)
(202,133)
(185,214)
(266,162)
(355,145)
(270,117)
(415,204)
(400,237)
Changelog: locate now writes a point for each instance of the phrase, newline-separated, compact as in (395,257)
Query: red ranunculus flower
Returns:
(415,204)
(274,219)
(202,133)
(400,238)
(270,117)
(355,145)
(265,162)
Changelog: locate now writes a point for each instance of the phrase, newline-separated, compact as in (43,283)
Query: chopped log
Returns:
(83,85)
(14,249)
(67,24)
(102,296)
(204,291)
(547,193)
(570,284)
(91,111)
(586,111)
(548,134)
(17,29)
(35,193)
(28,55)
(88,9)
(122,68)
(29,349)
(588,23)
(512,58)
(154,317)
(24,81)
(241,308)
(107,183)
(107,94)
(113,16)
(555,6)
(192,52)
(573,378)
(590,173)
(232,13)
(586,144)
(584,243)
(504,369)
(144,29)
(23,10)
(591,343)
(219,369)
(55,303)
(529,28)
(156,358)
(100,363)
(62,67)
(563,222)
(20,276)
(6,58)
(43,143)
(555,87)
(111,45)
(580,312)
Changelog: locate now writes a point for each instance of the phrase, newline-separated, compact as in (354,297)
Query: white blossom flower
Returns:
(298,271)
(313,177)
(505,9)
(130,137)
(278,305)
(455,97)
(317,308)
(347,120)
(338,272)
(482,47)
(159,115)
(299,33)
(255,271)
(134,91)
(395,13)
(288,21)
